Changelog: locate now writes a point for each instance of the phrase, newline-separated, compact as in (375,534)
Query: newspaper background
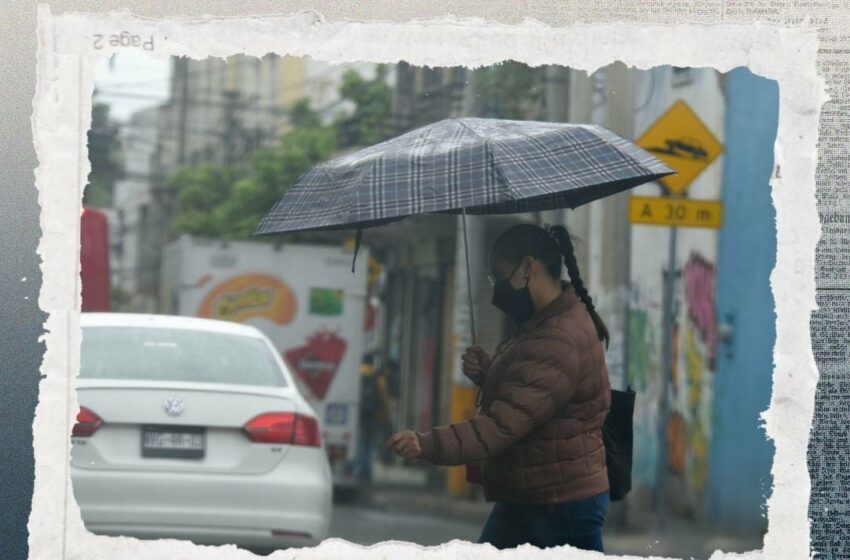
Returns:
(829,446)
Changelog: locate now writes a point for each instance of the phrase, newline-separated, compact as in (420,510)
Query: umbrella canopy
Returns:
(471,165)
(463,165)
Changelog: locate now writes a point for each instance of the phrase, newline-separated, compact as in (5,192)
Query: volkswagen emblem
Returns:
(174,406)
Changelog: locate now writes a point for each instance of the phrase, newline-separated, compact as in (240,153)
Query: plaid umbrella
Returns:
(483,166)
(464,165)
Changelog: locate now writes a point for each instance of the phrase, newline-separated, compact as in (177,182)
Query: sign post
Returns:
(682,141)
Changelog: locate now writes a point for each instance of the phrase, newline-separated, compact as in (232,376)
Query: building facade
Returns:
(132,203)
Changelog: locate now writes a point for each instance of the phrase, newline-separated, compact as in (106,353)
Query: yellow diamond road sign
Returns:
(682,141)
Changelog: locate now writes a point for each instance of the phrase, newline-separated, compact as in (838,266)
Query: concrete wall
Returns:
(685,430)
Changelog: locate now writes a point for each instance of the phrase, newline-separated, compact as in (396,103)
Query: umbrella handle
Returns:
(468,279)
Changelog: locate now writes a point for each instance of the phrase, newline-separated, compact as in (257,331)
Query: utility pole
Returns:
(557,93)
(664,408)
(181,67)
(469,107)
(231,126)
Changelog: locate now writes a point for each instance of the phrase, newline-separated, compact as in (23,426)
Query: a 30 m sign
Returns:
(667,211)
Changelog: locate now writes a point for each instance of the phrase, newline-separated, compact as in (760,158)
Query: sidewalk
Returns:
(681,538)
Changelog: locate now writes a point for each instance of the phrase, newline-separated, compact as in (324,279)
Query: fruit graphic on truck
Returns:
(316,362)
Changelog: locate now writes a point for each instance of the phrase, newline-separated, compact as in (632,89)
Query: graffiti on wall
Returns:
(645,459)
(686,436)
(687,430)
(687,449)
(699,448)
(699,295)
(695,370)
(638,348)
(644,375)
(677,444)
(687,426)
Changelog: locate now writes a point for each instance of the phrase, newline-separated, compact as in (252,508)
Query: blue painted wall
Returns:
(741,456)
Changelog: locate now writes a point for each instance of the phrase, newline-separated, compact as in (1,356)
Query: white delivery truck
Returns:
(304,298)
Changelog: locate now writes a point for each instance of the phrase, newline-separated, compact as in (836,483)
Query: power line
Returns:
(195,72)
(214,101)
(194,100)
(216,131)
(209,131)
(224,104)
(649,97)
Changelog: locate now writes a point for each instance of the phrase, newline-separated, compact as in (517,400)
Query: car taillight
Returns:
(272,427)
(306,431)
(284,427)
(87,423)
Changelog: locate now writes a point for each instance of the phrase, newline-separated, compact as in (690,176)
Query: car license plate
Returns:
(174,442)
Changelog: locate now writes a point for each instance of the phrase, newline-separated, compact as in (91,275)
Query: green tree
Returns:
(511,90)
(106,157)
(228,202)
(372,120)
(200,192)
(302,116)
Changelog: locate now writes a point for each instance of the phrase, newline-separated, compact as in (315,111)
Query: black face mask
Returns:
(515,303)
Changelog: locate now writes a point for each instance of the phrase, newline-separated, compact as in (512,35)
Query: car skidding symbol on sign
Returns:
(682,147)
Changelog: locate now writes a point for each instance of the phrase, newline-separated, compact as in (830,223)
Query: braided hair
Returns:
(566,244)
(548,245)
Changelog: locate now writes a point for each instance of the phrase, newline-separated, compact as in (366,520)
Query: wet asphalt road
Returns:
(367,526)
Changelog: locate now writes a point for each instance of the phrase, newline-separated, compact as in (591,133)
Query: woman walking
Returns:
(545,394)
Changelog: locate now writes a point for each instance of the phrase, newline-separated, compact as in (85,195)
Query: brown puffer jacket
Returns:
(545,397)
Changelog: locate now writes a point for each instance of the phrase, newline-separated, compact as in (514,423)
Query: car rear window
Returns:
(162,354)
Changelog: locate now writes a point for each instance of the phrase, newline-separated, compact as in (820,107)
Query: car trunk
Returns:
(178,426)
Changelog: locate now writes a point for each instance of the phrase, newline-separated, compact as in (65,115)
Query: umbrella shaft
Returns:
(468,279)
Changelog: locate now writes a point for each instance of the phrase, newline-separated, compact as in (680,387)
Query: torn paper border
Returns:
(62,114)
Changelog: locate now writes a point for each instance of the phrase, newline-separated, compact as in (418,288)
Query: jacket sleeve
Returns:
(539,381)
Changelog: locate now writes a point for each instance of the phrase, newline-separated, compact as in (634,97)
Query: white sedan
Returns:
(193,429)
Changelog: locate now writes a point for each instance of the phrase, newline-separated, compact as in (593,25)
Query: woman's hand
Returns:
(405,444)
(475,362)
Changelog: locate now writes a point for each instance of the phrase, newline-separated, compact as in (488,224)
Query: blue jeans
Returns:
(577,524)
